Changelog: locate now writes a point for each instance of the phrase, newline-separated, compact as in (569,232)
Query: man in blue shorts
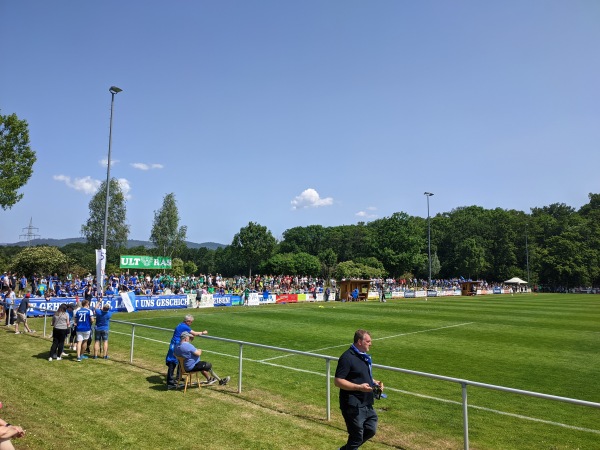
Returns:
(83,326)
(171,360)
(103,316)
(193,363)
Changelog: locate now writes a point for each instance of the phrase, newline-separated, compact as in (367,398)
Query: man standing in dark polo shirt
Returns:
(354,378)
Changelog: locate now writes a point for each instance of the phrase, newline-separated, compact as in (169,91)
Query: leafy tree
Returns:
(227,261)
(17,159)
(111,268)
(370,261)
(80,255)
(472,223)
(472,258)
(138,250)
(328,261)
(7,254)
(436,265)
(292,263)
(280,263)
(203,258)
(253,244)
(591,214)
(351,269)
(166,234)
(504,227)
(398,242)
(189,267)
(117,229)
(306,264)
(177,267)
(41,260)
(310,239)
(350,241)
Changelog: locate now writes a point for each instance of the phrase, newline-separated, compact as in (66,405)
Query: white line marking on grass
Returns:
(415,394)
(376,339)
(140,337)
(495,411)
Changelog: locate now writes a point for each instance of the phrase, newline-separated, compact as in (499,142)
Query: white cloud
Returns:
(125,187)
(367,215)
(144,166)
(140,166)
(90,186)
(310,199)
(86,185)
(104,162)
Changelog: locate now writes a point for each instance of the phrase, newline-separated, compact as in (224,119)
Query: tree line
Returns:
(554,246)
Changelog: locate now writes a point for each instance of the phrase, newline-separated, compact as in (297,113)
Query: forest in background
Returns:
(555,246)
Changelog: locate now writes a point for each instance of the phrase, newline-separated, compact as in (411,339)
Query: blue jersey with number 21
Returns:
(84,319)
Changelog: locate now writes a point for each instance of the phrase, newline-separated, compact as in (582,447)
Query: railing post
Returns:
(45,318)
(240,370)
(328,365)
(465,415)
(132,341)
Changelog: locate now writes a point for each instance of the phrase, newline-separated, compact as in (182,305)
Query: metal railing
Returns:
(328,359)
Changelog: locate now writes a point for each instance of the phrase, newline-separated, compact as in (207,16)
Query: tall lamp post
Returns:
(527,254)
(113,91)
(428,194)
(101,255)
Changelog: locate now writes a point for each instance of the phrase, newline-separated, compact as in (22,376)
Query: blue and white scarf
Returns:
(366,358)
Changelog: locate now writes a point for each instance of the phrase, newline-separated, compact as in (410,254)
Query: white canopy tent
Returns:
(515,280)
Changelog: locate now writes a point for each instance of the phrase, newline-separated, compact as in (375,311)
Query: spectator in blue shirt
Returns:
(192,361)
(102,326)
(83,322)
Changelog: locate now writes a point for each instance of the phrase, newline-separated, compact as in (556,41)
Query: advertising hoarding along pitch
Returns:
(144,262)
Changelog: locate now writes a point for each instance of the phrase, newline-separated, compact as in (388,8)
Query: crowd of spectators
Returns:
(160,283)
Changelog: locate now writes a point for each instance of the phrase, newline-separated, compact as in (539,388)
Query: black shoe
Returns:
(175,386)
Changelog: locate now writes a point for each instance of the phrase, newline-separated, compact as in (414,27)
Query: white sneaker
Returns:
(17,332)
(63,354)
(59,359)
(50,359)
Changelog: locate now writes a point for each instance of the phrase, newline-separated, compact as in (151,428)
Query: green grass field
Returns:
(543,343)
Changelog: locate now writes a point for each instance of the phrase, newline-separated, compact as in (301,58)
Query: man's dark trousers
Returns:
(361,423)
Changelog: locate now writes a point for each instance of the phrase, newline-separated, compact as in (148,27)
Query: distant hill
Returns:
(130,243)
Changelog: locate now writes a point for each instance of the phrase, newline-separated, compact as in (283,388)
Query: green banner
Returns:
(145,262)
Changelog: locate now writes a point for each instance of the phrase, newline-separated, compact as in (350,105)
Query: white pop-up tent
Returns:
(515,280)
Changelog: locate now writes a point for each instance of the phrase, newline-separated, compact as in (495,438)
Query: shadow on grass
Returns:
(71,357)
(157,382)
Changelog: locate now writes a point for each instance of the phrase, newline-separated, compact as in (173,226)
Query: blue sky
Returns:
(292,113)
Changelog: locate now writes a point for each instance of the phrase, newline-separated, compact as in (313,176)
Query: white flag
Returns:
(100,267)
(128,301)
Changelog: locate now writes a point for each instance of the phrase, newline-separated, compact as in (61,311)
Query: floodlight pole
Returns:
(428,194)
(527,254)
(113,91)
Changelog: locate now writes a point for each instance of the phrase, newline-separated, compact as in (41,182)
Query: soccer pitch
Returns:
(543,343)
